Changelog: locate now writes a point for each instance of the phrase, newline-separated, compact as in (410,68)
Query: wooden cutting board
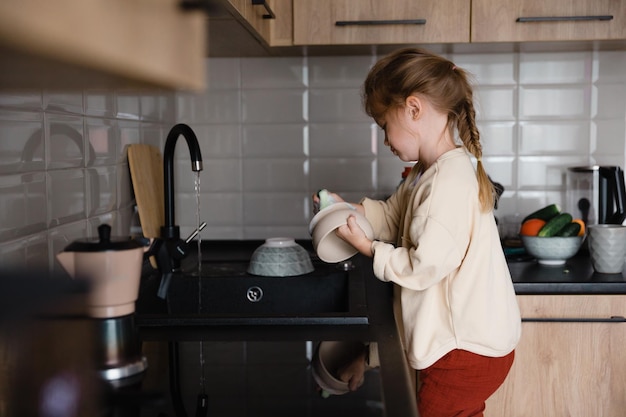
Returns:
(146,172)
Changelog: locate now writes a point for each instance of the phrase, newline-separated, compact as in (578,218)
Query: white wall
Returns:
(275,130)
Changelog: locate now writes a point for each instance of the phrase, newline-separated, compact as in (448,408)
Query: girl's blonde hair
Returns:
(411,71)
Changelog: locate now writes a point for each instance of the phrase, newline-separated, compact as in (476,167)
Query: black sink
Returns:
(224,293)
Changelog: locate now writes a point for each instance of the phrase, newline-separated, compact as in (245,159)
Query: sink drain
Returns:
(254,294)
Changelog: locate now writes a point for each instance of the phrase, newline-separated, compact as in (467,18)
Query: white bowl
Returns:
(280,257)
(329,356)
(552,250)
(328,246)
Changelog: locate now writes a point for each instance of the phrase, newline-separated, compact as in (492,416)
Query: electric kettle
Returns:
(111,266)
(596,194)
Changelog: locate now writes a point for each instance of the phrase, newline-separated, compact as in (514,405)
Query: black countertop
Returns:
(576,277)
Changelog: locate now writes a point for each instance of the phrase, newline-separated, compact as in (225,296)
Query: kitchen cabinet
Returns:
(101,44)
(537,20)
(570,361)
(271,20)
(349,27)
(352,22)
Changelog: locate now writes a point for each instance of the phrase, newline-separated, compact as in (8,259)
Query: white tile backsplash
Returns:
(330,72)
(555,137)
(551,68)
(336,105)
(275,140)
(609,101)
(63,102)
(498,138)
(102,139)
(277,73)
(275,130)
(101,190)
(489,69)
(609,67)
(127,105)
(222,106)
(65,142)
(495,103)
(63,166)
(22,149)
(23,100)
(554,102)
(100,103)
(22,205)
(273,106)
(342,139)
(275,175)
(67,192)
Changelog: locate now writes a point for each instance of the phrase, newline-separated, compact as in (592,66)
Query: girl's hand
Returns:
(354,372)
(329,198)
(352,233)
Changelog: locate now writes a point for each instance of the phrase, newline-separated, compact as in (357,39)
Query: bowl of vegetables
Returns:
(552,236)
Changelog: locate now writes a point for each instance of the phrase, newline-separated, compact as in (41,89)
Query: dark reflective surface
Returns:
(226,288)
(241,379)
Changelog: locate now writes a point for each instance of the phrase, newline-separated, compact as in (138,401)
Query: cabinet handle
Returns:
(533,19)
(380,22)
(270,13)
(612,319)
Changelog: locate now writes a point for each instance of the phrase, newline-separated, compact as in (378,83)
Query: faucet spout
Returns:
(170,230)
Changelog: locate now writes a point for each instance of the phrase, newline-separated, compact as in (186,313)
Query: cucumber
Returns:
(571,229)
(555,225)
(546,213)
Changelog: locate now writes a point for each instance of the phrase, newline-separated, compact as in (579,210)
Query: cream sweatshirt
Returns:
(454,288)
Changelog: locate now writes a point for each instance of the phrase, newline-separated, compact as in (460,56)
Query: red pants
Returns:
(458,384)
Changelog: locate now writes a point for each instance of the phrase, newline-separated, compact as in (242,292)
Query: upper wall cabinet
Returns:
(541,20)
(101,44)
(361,22)
(272,20)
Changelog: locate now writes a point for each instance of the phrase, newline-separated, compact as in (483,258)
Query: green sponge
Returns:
(325,199)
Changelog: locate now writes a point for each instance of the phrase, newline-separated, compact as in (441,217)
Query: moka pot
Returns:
(113,268)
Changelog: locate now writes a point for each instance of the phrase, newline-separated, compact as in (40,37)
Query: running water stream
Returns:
(199,241)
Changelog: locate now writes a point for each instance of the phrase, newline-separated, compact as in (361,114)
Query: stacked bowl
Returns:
(280,257)
(328,246)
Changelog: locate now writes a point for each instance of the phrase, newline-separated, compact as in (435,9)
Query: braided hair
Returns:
(411,71)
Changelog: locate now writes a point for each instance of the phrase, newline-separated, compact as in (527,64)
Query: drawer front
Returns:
(572,306)
(532,20)
(359,22)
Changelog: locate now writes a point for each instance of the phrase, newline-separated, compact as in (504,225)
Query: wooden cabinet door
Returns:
(97,44)
(275,30)
(364,22)
(566,367)
(540,20)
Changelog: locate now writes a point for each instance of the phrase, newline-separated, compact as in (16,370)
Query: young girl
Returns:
(436,237)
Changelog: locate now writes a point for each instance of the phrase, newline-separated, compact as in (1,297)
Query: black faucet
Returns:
(170,249)
(170,230)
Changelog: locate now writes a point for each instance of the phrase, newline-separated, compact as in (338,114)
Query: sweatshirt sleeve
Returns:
(418,267)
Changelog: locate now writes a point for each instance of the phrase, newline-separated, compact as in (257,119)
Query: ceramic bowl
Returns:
(552,250)
(280,257)
(328,246)
(329,356)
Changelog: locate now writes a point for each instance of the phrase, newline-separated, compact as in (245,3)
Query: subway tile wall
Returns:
(275,130)
(63,166)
